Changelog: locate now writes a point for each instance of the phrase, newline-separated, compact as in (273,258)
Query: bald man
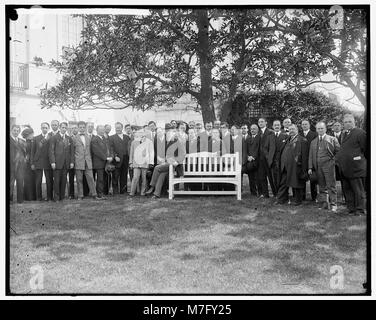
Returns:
(352,162)
(322,152)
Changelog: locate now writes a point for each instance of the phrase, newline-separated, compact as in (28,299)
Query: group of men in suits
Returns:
(279,158)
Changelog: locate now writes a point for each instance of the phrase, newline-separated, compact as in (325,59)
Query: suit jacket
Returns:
(142,153)
(294,159)
(310,136)
(331,146)
(227,142)
(82,153)
(192,146)
(205,141)
(100,151)
(267,145)
(17,153)
(280,142)
(51,134)
(339,138)
(60,153)
(236,145)
(159,149)
(253,147)
(217,146)
(39,152)
(352,156)
(120,148)
(176,149)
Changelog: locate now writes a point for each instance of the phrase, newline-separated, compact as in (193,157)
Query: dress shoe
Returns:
(279,202)
(324,206)
(150,191)
(155,197)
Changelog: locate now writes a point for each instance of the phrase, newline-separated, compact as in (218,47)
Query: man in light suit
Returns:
(83,162)
(322,160)
(352,162)
(61,159)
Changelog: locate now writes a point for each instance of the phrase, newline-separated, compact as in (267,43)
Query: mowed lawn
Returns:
(187,245)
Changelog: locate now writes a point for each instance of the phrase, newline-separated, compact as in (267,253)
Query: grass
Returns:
(187,245)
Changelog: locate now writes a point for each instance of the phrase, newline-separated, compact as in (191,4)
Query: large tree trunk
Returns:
(203,51)
(240,66)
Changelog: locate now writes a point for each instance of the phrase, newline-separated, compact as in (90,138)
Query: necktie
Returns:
(320,138)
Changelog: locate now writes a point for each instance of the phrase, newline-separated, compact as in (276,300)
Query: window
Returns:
(71,30)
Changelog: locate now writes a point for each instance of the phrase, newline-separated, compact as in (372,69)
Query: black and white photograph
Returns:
(188,149)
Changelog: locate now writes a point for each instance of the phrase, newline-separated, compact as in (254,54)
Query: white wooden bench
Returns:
(207,167)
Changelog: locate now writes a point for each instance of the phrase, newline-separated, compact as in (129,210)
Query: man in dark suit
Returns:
(337,133)
(266,156)
(252,152)
(61,158)
(280,141)
(352,162)
(309,135)
(159,147)
(54,128)
(107,177)
(40,162)
(71,172)
(286,124)
(17,154)
(294,167)
(175,154)
(119,144)
(100,150)
(244,131)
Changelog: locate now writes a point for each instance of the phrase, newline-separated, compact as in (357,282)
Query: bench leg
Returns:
(170,184)
(239,191)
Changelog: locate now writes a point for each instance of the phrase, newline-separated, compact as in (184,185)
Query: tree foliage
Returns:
(210,54)
(296,105)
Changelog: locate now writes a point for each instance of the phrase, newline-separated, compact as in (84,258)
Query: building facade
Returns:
(37,39)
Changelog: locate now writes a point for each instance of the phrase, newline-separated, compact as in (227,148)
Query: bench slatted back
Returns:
(208,165)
